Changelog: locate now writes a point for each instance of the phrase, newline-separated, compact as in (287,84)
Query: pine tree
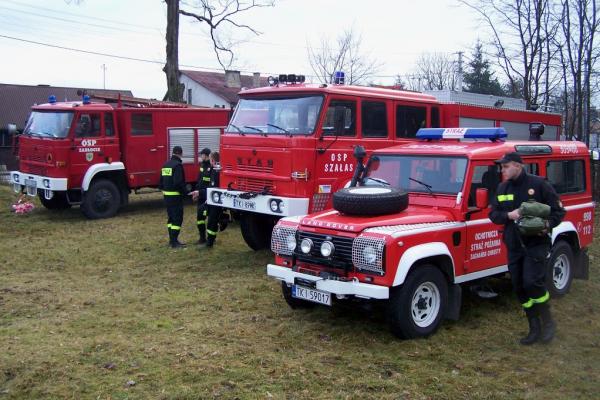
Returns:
(479,78)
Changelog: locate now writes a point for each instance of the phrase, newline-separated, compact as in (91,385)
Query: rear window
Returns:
(141,124)
(566,176)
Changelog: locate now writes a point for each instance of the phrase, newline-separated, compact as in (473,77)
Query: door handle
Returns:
(153,150)
(160,147)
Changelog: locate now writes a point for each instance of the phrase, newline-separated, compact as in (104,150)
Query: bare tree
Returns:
(520,31)
(434,71)
(171,68)
(579,22)
(218,15)
(344,54)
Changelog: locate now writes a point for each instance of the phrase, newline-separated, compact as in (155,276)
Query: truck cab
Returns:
(415,229)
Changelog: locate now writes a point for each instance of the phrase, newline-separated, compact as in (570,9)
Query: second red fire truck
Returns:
(289,146)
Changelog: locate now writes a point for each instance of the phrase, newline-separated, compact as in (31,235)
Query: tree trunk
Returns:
(171,69)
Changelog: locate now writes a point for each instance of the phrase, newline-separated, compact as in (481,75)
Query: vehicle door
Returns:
(484,246)
(144,152)
(94,142)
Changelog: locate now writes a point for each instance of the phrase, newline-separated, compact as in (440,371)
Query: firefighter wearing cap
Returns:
(214,213)
(527,255)
(172,183)
(199,194)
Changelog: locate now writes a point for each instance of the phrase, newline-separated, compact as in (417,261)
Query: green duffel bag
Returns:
(534,209)
(531,226)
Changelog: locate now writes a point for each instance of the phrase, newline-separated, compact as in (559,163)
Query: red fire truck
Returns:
(417,228)
(96,154)
(289,146)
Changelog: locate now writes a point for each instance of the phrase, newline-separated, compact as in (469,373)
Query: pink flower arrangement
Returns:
(22,206)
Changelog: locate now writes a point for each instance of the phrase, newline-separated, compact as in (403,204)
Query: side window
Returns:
(340,118)
(486,177)
(88,125)
(435,117)
(109,127)
(141,124)
(532,169)
(566,176)
(409,120)
(374,119)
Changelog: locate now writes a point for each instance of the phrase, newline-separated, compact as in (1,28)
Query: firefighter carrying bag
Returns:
(533,218)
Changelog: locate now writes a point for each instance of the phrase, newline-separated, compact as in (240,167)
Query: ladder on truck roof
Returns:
(138,102)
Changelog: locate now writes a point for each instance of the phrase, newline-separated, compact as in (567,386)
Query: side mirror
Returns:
(481,198)
(11,129)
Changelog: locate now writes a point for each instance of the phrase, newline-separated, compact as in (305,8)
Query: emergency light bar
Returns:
(461,133)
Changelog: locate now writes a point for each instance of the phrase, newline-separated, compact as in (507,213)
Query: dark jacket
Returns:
(511,194)
(203,180)
(172,177)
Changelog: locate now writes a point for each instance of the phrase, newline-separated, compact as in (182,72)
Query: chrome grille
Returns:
(256,168)
(375,246)
(341,258)
(279,239)
(254,185)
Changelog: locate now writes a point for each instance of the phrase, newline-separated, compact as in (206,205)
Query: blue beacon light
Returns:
(52,99)
(86,99)
(461,133)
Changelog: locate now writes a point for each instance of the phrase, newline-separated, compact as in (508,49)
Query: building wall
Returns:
(200,95)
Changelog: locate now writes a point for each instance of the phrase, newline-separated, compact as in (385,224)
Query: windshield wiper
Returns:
(382,181)
(236,127)
(41,134)
(254,128)
(278,127)
(427,186)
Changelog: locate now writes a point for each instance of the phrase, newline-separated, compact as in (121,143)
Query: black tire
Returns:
(370,200)
(256,230)
(102,200)
(417,308)
(57,202)
(560,270)
(292,301)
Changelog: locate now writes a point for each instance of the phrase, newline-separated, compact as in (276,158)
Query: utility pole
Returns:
(103,67)
(460,71)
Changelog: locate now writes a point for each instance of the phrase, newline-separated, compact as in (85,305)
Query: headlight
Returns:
(274,206)
(306,245)
(16,177)
(327,249)
(46,183)
(290,241)
(216,197)
(370,255)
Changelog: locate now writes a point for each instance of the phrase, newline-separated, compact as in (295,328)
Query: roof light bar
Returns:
(461,133)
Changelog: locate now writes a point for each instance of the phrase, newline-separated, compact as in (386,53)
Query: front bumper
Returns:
(30,182)
(257,203)
(351,288)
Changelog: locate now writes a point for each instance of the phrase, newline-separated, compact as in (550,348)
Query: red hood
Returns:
(332,219)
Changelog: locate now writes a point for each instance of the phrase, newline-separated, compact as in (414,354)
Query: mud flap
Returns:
(454,302)
(582,265)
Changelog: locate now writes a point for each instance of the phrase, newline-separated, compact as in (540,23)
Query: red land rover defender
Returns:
(417,227)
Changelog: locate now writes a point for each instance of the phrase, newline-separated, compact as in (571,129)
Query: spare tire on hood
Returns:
(370,200)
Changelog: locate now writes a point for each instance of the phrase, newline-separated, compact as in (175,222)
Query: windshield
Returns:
(50,124)
(278,116)
(428,174)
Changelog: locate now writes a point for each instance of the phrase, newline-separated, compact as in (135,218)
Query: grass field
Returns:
(104,310)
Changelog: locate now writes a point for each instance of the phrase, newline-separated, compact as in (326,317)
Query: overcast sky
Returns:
(45,41)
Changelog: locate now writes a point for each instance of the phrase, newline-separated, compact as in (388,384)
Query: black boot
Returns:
(202,233)
(535,328)
(211,241)
(170,237)
(548,324)
(175,243)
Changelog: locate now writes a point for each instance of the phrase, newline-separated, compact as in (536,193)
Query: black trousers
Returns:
(212,224)
(174,215)
(527,267)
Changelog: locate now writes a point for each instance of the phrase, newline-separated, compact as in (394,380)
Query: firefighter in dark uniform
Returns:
(527,255)
(214,213)
(172,183)
(199,194)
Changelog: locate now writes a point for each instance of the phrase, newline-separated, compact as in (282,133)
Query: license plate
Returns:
(245,204)
(301,292)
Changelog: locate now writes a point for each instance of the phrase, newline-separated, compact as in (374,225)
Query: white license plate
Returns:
(301,292)
(245,204)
